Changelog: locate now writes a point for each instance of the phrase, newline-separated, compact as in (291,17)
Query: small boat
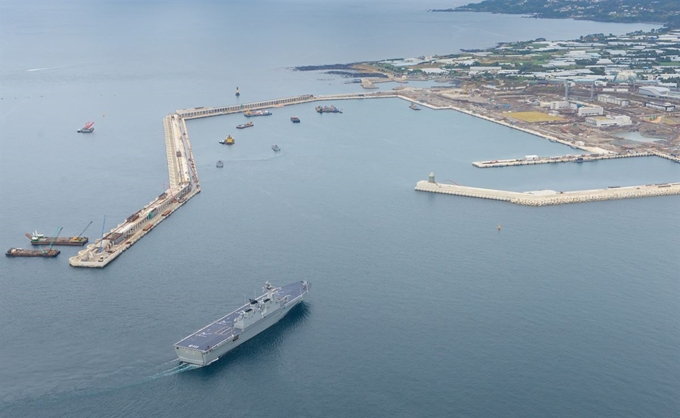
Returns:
(276,148)
(413,106)
(87,129)
(227,141)
(237,92)
(219,164)
(250,114)
(295,119)
(245,125)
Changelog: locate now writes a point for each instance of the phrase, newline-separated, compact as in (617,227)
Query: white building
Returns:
(590,111)
(605,98)
(654,91)
(559,105)
(604,121)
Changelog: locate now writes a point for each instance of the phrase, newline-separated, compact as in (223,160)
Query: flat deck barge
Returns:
(73,241)
(20,252)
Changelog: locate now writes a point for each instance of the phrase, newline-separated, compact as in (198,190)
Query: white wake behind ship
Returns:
(220,337)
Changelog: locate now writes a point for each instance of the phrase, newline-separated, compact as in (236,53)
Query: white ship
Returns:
(217,339)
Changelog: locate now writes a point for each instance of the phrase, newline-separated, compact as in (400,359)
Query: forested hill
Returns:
(623,11)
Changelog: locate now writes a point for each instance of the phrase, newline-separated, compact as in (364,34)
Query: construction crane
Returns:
(76,238)
(54,239)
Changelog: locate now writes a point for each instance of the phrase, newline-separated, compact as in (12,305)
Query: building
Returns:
(604,121)
(559,105)
(605,98)
(666,107)
(590,111)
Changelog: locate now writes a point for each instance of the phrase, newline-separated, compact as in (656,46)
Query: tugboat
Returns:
(245,125)
(87,129)
(227,141)
(237,92)
(295,119)
(413,106)
(276,148)
(250,114)
(219,164)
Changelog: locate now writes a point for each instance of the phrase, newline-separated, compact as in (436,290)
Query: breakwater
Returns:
(183,186)
(550,197)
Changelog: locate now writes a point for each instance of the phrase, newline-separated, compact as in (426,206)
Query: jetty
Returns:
(550,197)
(183,185)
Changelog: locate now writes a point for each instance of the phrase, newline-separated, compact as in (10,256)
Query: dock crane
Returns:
(76,238)
(54,239)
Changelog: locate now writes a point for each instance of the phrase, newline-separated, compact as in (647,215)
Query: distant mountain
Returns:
(622,11)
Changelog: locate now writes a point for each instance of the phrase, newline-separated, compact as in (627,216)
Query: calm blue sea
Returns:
(419,305)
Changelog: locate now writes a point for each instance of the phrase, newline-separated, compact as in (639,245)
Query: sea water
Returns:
(419,305)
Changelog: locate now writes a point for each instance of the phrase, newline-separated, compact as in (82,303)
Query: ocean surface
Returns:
(419,305)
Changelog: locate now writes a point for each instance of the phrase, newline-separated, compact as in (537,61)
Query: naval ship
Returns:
(210,343)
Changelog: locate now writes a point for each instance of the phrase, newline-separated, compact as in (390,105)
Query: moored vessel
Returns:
(327,109)
(20,252)
(220,337)
(413,106)
(40,239)
(250,114)
(245,125)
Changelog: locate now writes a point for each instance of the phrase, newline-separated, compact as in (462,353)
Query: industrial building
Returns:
(590,111)
(604,121)
(606,98)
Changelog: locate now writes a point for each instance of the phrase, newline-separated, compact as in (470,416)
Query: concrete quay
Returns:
(558,159)
(184,185)
(551,197)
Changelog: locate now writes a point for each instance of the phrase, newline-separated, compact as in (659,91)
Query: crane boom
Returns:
(77,237)
(56,236)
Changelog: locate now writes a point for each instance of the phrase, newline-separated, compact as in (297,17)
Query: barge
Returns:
(40,239)
(20,252)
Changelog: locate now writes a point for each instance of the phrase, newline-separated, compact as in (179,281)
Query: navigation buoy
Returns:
(499,227)
(237,92)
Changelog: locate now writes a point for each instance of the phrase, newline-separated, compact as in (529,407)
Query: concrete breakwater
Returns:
(183,186)
(551,197)
(204,112)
